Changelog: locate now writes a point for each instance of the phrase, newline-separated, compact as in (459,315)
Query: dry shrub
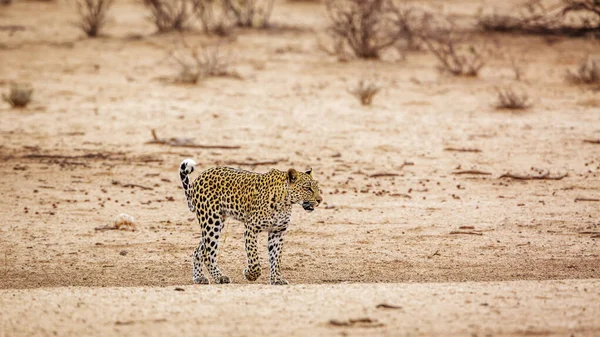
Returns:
(249,13)
(570,17)
(588,72)
(19,95)
(365,26)
(510,98)
(92,15)
(411,24)
(455,50)
(212,17)
(168,15)
(199,62)
(5,2)
(365,92)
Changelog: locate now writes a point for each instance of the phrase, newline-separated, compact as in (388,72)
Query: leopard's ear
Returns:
(292,175)
(309,172)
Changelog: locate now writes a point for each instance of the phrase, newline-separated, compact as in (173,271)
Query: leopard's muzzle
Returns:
(309,207)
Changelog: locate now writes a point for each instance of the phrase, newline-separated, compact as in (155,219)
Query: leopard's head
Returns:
(304,190)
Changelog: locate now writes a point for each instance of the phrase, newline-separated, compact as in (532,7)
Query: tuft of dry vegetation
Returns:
(19,95)
(92,15)
(365,92)
(169,15)
(588,72)
(249,13)
(510,98)
(517,66)
(199,62)
(455,51)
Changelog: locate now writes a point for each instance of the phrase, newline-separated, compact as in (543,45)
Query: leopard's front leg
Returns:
(275,247)
(252,272)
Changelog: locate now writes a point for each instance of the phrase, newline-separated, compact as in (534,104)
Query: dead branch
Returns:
(437,253)
(383,174)
(389,306)
(472,172)
(543,176)
(466,232)
(592,141)
(116,182)
(400,195)
(589,232)
(253,163)
(454,149)
(187,142)
(587,199)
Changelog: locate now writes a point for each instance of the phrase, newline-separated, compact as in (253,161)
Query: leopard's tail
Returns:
(187,167)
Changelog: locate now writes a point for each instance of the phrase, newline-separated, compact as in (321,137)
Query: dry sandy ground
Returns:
(516,308)
(67,163)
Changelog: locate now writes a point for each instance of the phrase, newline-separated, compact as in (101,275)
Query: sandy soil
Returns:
(68,161)
(516,308)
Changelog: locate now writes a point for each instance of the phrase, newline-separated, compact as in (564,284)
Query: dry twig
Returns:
(476,172)
(587,199)
(118,183)
(187,142)
(542,176)
(454,149)
(466,232)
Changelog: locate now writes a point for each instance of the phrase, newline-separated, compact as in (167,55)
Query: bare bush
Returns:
(588,72)
(249,13)
(364,26)
(199,62)
(168,15)
(19,95)
(571,17)
(509,98)
(212,16)
(365,92)
(455,51)
(411,24)
(92,15)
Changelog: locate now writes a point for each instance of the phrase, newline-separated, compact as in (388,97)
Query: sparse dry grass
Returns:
(513,99)
(19,95)
(587,72)
(92,15)
(365,91)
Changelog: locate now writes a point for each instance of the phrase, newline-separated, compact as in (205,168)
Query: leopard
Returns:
(261,201)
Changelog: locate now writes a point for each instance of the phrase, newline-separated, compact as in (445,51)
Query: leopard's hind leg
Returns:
(212,226)
(198,260)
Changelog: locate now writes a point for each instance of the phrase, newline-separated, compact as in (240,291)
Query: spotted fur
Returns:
(263,202)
